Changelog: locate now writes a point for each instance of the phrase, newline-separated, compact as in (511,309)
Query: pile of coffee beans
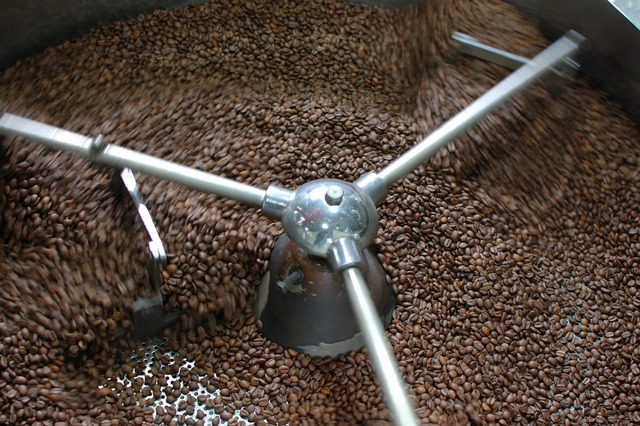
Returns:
(514,253)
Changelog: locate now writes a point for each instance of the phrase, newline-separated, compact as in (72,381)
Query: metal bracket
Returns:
(472,47)
(149,318)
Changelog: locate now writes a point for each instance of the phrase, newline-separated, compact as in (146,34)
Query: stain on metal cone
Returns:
(303,305)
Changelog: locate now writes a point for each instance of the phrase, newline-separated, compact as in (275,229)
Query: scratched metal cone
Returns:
(303,305)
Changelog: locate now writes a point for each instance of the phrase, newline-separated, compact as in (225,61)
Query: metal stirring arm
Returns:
(345,259)
(122,158)
(344,255)
(470,46)
(553,57)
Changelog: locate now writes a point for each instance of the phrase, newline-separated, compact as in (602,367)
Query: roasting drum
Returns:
(611,58)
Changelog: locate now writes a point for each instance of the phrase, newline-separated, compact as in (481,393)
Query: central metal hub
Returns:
(326,210)
(302,302)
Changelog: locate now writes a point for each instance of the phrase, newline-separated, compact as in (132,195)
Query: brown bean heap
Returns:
(514,253)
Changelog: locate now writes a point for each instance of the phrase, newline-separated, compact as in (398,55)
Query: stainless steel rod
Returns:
(384,363)
(119,157)
(526,75)
(471,46)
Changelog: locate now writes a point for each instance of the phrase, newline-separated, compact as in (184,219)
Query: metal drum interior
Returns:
(514,267)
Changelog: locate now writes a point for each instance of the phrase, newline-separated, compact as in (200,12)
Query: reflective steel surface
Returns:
(326,210)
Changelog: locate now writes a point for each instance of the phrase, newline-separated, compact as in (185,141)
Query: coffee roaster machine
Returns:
(330,224)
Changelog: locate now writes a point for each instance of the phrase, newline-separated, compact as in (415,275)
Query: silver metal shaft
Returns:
(470,46)
(380,352)
(121,158)
(526,75)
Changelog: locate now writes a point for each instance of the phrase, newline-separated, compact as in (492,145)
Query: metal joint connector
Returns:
(344,253)
(276,201)
(372,185)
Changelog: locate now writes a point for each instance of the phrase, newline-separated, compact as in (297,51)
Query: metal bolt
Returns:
(97,144)
(334,195)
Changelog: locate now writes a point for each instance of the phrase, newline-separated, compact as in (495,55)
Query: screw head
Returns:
(334,195)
